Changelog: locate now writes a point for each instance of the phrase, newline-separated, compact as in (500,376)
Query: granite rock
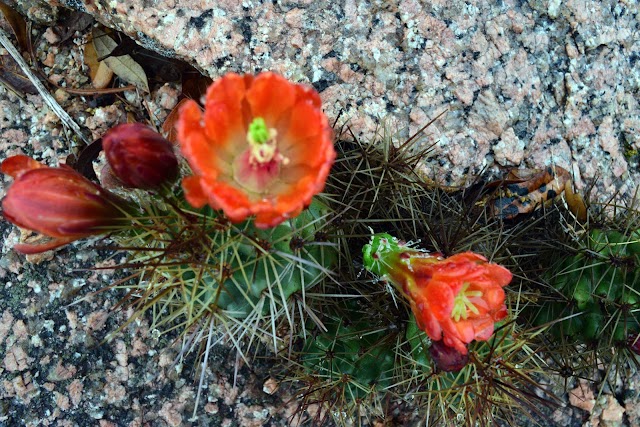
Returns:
(525,84)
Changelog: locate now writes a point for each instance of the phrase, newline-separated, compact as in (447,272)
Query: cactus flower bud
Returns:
(456,299)
(139,156)
(447,359)
(57,202)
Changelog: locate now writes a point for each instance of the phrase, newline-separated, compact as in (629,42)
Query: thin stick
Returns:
(46,96)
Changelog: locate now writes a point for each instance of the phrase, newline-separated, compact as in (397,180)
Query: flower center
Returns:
(462,304)
(263,147)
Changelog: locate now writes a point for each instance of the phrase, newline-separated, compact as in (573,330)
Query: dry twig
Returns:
(48,99)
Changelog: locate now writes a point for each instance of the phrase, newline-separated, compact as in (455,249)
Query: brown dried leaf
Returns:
(103,76)
(91,58)
(575,202)
(77,21)
(11,76)
(18,25)
(123,66)
(99,72)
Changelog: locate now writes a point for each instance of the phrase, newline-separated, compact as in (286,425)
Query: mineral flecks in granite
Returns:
(526,83)
(56,369)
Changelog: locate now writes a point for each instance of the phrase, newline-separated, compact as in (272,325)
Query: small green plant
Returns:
(601,289)
(199,269)
(348,367)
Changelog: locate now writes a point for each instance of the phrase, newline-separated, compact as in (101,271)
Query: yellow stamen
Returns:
(462,304)
(262,143)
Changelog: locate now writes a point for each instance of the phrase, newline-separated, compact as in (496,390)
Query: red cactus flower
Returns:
(139,156)
(57,202)
(262,147)
(456,299)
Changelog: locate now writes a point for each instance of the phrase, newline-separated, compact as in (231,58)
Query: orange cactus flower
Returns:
(262,147)
(456,299)
(57,202)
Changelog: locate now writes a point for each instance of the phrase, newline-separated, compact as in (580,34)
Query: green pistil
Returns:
(462,303)
(258,131)
(263,146)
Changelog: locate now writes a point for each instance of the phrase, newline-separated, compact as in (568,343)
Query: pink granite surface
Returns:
(526,83)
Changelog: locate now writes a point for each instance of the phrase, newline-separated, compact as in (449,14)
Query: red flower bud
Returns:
(633,341)
(446,358)
(57,202)
(139,156)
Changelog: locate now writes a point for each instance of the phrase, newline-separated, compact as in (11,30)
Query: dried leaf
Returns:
(156,67)
(103,76)
(12,77)
(168,127)
(18,25)
(77,21)
(123,66)
(99,72)
(575,202)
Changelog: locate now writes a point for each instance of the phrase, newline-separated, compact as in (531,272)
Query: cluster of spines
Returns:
(195,267)
(375,186)
(197,270)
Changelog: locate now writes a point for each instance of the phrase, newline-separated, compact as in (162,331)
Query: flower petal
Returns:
(29,248)
(308,136)
(231,200)
(270,97)
(14,166)
(193,191)
(456,299)
(227,171)
(439,296)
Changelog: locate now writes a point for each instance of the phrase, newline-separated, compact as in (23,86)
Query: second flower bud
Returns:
(139,156)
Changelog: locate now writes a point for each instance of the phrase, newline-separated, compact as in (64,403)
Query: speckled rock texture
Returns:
(526,83)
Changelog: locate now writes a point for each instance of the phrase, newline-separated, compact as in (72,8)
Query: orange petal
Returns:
(270,96)
(308,136)
(494,296)
(231,200)
(28,249)
(463,330)
(498,274)
(466,257)
(308,94)
(427,321)
(16,165)
(455,342)
(484,330)
(225,111)
(268,219)
(193,192)
(194,144)
(439,296)
(292,174)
